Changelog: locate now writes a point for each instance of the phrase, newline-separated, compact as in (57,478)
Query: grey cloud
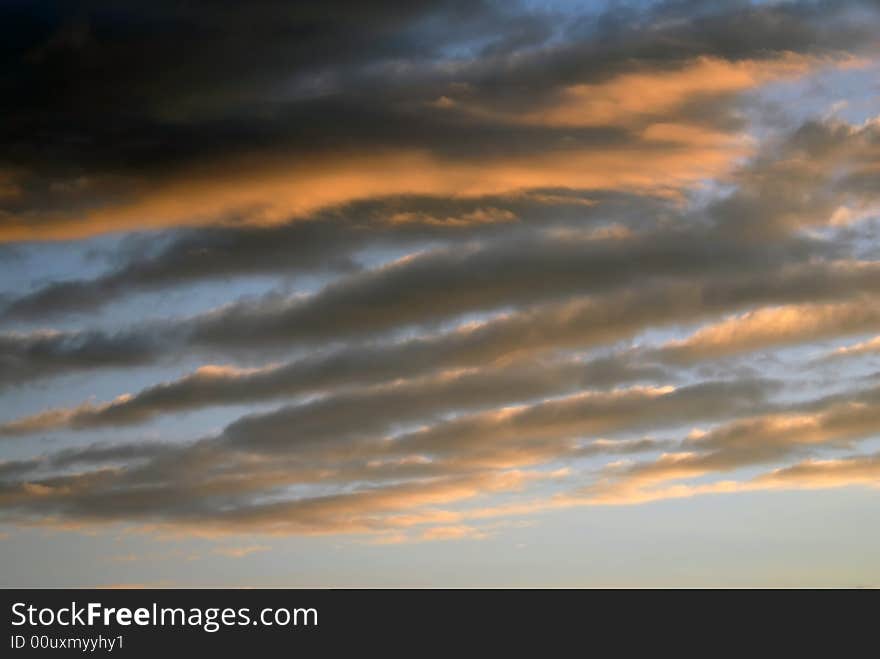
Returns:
(794,430)
(206,480)
(446,283)
(44,354)
(329,242)
(371,403)
(593,415)
(580,323)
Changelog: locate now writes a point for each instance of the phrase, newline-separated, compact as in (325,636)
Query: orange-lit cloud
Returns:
(274,188)
(767,327)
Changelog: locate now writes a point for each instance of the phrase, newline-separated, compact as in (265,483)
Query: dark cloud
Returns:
(105,103)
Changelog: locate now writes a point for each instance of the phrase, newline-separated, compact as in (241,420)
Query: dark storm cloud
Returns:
(103,101)
(208,63)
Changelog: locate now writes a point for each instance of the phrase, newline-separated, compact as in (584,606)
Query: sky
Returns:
(439,293)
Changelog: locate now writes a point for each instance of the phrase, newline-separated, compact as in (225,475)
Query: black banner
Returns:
(546,622)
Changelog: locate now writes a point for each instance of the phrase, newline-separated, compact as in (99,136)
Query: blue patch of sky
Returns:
(848,94)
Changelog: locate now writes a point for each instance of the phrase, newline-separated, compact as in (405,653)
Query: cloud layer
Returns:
(475,261)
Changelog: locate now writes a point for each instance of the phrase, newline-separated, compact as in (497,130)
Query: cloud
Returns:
(841,472)
(363,511)
(852,471)
(865,347)
(269,325)
(771,326)
(834,422)
(158,132)
(274,473)
(403,398)
(802,181)
(327,241)
(26,356)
